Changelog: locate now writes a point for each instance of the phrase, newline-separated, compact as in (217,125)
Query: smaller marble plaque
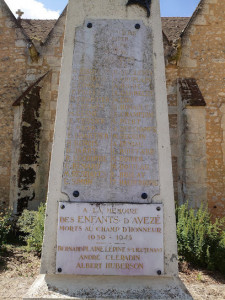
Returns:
(110,239)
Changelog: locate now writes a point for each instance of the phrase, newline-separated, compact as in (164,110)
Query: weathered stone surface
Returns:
(107,287)
(16,70)
(111,145)
(144,55)
(110,239)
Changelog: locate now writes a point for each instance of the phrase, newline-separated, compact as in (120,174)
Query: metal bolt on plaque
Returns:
(144,196)
(137,26)
(76,194)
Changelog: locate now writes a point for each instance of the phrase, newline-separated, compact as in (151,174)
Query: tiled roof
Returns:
(172,27)
(38,29)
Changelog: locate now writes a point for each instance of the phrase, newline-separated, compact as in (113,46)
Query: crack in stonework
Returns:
(126,57)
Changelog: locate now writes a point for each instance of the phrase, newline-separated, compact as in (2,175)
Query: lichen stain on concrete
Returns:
(23,203)
(30,134)
(30,139)
(26,178)
(174,256)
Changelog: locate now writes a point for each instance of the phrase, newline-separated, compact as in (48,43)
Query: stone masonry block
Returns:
(195,149)
(21,43)
(173,121)
(195,176)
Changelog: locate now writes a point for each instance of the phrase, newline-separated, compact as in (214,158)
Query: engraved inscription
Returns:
(110,239)
(111,144)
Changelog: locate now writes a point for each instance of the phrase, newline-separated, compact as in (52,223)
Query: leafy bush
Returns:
(5,225)
(200,241)
(32,224)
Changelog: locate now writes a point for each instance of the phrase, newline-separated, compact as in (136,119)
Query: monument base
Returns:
(106,287)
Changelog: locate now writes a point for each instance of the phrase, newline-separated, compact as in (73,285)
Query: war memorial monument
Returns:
(110,222)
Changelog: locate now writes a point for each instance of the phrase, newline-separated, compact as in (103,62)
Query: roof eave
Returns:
(13,18)
(50,33)
(18,100)
(195,13)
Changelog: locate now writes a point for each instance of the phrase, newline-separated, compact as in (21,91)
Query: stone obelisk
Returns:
(110,222)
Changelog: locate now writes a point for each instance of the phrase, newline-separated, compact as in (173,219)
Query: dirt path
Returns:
(203,284)
(18,270)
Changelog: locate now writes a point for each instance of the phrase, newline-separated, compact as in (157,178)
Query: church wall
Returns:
(203,58)
(195,157)
(192,182)
(51,53)
(171,82)
(12,81)
(17,73)
(49,61)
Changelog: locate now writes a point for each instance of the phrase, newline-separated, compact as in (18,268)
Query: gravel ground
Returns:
(203,284)
(18,270)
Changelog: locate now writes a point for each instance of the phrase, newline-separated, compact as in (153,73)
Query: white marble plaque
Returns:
(110,239)
(111,143)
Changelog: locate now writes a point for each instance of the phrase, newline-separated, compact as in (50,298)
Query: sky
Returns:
(51,9)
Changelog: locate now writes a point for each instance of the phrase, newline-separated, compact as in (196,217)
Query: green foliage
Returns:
(200,241)
(5,225)
(199,276)
(32,224)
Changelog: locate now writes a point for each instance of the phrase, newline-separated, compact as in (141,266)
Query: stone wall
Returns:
(171,76)
(198,140)
(13,68)
(17,73)
(51,53)
(203,58)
